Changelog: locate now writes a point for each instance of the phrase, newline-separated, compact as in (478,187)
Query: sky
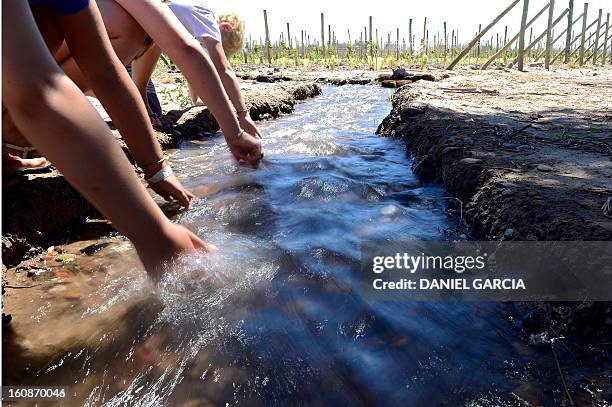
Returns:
(464,15)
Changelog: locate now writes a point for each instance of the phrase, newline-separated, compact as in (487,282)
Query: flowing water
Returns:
(274,316)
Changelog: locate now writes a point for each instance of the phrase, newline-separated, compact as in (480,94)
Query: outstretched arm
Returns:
(54,115)
(231,84)
(174,39)
(92,50)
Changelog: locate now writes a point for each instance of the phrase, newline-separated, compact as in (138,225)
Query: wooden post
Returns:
(370,43)
(365,43)
(597,37)
(479,43)
(505,35)
(568,33)
(521,51)
(323,34)
(410,38)
(397,45)
(445,42)
(425,39)
(465,51)
(513,39)
(605,50)
(268,44)
(549,35)
(583,37)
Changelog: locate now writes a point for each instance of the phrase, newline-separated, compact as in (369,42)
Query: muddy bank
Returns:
(388,78)
(528,154)
(42,209)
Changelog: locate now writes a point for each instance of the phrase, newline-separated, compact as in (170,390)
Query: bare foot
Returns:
(12,164)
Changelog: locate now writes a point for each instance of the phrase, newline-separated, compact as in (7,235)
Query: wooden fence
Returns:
(567,38)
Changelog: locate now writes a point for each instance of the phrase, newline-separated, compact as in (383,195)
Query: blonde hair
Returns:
(232,41)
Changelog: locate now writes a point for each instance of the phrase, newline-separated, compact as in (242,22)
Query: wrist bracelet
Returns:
(240,134)
(160,161)
(160,175)
(238,113)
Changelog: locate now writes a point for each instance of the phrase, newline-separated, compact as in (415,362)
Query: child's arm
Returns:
(92,50)
(54,115)
(174,39)
(230,83)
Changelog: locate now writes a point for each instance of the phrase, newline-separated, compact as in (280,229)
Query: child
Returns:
(221,36)
(54,115)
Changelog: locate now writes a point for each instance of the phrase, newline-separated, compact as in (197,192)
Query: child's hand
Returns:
(171,188)
(177,240)
(246,148)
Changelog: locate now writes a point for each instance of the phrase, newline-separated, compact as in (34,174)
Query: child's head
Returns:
(232,33)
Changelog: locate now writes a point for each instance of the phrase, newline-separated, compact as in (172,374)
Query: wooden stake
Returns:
(268,44)
(465,51)
(410,38)
(397,45)
(445,42)
(568,32)
(549,34)
(370,43)
(605,50)
(425,39)
(479,43)
(521,51)
(323,34)
(583,35)
(597,37)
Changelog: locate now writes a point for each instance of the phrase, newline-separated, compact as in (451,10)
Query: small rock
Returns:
(507,192)
(509,233)
(400,72)
(544,168)
(93,249)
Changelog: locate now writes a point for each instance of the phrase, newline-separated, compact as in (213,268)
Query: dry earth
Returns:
(529,154)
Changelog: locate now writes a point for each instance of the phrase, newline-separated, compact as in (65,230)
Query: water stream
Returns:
(275,316)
